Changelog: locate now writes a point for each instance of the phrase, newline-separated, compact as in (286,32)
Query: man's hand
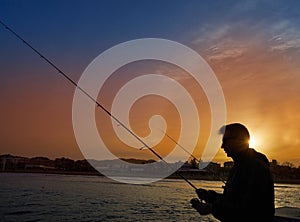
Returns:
(202,208)
(202,194)
(209,196)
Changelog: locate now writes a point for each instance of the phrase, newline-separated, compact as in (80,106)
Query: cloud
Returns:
(235,39)
(285,36)
(220,42)
(226,54)
(285,45)
(212,34)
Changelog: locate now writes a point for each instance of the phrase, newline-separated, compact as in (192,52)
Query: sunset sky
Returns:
(253,48)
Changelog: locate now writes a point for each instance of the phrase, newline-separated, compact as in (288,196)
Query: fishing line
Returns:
(208,169)
(180,146)
(92,99)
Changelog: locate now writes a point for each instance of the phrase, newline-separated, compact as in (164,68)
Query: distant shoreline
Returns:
(55,172)
(173,176)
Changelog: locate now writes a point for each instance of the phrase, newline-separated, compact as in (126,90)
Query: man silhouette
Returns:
(249,191)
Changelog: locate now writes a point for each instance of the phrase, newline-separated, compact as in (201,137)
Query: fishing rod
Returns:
(208,169)
(180,146)
(92,99)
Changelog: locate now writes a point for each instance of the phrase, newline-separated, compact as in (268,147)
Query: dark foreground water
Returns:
(41,197)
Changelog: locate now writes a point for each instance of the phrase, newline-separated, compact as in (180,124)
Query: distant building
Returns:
(64,163)
(274,163)
(10,162)
(40,163)
(214,167)
(228,164)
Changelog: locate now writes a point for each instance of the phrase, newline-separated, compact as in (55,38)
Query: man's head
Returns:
(235,138)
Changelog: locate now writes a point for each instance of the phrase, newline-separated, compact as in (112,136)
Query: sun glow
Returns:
(253,142)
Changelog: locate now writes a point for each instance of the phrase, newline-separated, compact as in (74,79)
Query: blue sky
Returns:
(68,29)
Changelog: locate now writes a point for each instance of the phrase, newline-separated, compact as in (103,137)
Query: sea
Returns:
(55,197)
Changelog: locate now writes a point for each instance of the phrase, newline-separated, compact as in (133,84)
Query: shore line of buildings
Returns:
(140,168)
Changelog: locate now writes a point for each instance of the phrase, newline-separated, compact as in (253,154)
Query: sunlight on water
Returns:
(38,197)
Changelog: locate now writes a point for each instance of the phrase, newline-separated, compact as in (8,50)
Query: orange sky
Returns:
(260,93)
(261,86)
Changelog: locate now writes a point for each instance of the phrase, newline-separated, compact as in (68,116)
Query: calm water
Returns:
(40,197)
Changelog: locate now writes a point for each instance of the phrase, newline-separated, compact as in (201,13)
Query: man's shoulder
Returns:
(262,157)
(252,156)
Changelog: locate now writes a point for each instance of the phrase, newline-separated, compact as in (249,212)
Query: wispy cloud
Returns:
(211,34)
(232,41)
(229,53)
(285,45)
(285,37)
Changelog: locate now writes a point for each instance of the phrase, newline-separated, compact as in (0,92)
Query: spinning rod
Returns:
(181,146)
(198,160)
(93,100)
